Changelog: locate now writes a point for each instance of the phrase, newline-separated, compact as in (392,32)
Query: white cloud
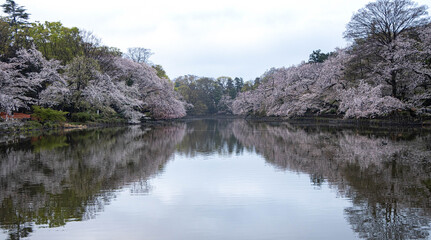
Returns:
(210,38)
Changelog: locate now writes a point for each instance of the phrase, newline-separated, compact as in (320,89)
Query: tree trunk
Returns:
(394,84)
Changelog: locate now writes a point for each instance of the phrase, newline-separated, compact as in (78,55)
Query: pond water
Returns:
(217,179)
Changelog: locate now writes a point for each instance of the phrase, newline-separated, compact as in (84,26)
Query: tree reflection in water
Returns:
(386,174)
(51,180)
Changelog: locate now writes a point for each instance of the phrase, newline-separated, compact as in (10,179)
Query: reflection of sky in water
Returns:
(207,197)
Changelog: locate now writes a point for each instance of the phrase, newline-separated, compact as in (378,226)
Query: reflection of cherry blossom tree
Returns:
(386,174)
(387,177)
(388,221)
(78,173)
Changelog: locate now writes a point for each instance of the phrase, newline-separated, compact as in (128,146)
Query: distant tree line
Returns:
(208,96)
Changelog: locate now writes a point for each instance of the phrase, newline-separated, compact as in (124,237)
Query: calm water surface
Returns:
(217,179)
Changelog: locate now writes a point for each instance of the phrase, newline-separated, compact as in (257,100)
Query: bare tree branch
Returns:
(385,20)
(139,55)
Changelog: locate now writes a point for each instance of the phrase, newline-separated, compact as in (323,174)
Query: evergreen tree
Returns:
(16,13)
(318,57)
(239,84)
(230,87)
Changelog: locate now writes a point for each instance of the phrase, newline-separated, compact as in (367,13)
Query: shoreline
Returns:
(19,127)
(328,121)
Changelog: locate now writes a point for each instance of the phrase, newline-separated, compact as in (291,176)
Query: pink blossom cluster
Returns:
(131,89)
(392,77)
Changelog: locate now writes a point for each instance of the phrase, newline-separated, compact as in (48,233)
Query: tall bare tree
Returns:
(139,55)
(385,20)
(376,29)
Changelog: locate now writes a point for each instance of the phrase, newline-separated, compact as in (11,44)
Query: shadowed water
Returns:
(217,179)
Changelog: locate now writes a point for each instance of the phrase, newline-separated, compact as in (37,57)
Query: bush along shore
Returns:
(49,119)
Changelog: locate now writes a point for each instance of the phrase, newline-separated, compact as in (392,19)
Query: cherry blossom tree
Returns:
(400,69)
(376,29)
(157,94)
(362,81)
(366,101)
(131,89)
(103,93)
(310,88)
(224,106)
(24,77)
(412,57)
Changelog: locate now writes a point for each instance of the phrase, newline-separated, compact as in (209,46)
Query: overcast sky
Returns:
(209,38)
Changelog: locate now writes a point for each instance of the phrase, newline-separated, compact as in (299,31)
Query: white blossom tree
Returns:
(366,101)
(296,91)
(158,96)
(376,29)
(388,68)
(24,77)
(412,58)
